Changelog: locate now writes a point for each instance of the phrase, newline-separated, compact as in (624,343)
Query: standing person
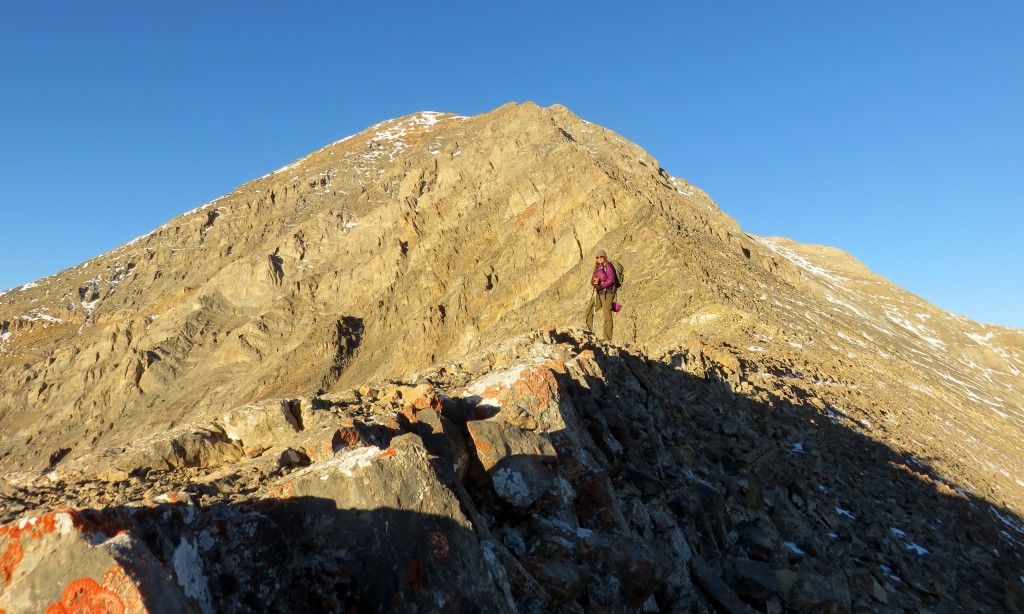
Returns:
(603,281)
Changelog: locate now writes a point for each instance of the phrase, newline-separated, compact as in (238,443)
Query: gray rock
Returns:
(521,463)
(751,578)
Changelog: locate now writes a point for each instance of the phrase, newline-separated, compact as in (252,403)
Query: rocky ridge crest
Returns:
(365,262)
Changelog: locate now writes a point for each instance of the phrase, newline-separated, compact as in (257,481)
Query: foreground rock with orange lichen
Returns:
(550,473)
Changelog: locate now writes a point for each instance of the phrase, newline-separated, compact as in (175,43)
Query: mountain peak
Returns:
(425,244)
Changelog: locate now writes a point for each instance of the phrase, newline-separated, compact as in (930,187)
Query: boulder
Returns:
(751,578)
(521,463)
(56,563)
(262,424)
(192,445)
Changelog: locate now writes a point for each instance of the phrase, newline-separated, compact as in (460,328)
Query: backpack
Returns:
(618,273)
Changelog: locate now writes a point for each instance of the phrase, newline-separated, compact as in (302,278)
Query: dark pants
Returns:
(602,303)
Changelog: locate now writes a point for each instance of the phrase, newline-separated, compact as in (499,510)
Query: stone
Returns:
(820,593)
(56,562)
(758,540)
(520,463)
(722,594)
(443,440)
(683,455)
(751,578)
(188,446)
(262,424)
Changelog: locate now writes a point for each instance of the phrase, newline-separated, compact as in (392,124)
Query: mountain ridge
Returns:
(430,240)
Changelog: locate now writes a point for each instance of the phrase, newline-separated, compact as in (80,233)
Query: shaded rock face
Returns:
(553,473)
(386,288)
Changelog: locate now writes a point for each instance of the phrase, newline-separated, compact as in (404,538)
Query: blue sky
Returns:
(892,130)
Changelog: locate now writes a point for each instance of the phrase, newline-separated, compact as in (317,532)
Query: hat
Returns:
(601,254)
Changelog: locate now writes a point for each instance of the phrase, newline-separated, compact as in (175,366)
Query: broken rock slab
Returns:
(56,562)
(391,510)
(521,464)
(262,424)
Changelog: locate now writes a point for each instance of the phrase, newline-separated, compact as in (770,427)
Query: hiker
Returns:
(604,282)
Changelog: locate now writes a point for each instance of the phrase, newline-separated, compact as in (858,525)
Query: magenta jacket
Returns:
(605,274)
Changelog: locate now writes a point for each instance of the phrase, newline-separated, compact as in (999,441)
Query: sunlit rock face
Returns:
(358,331)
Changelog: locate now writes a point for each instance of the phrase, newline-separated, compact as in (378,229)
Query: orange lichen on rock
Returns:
(34,528)
(282,491)
(536,386)
(86,596)
(9,561)
(118,582)
(414,576)
(440,545)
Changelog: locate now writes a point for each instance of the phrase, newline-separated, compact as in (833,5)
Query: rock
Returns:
(262,424)
(683,455)
(55,562)
(722,594)
(819,593)
(751,578)
(520,463)
(758,540)
(344,397)
(443,440)
(188,446)
(323,443)
(245,299)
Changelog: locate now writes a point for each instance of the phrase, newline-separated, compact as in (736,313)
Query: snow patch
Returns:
(920,331)
(802,262)
(846,513)
(40,315)
(889,573)
(794,548)
(918,549)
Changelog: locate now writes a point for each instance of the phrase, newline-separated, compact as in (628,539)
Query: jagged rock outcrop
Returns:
(566,475)
(242,342)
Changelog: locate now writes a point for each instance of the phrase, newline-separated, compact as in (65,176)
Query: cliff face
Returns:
(432,239)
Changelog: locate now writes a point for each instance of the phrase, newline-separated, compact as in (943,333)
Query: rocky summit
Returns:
(361,383)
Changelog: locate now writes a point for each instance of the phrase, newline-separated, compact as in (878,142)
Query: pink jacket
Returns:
(605,274)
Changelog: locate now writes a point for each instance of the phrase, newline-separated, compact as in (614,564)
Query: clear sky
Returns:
(892,130)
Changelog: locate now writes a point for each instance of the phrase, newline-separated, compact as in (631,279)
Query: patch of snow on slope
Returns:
(836,301)
(840,511)
(196,210)
(803,263)
(917,329)
(39,315)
